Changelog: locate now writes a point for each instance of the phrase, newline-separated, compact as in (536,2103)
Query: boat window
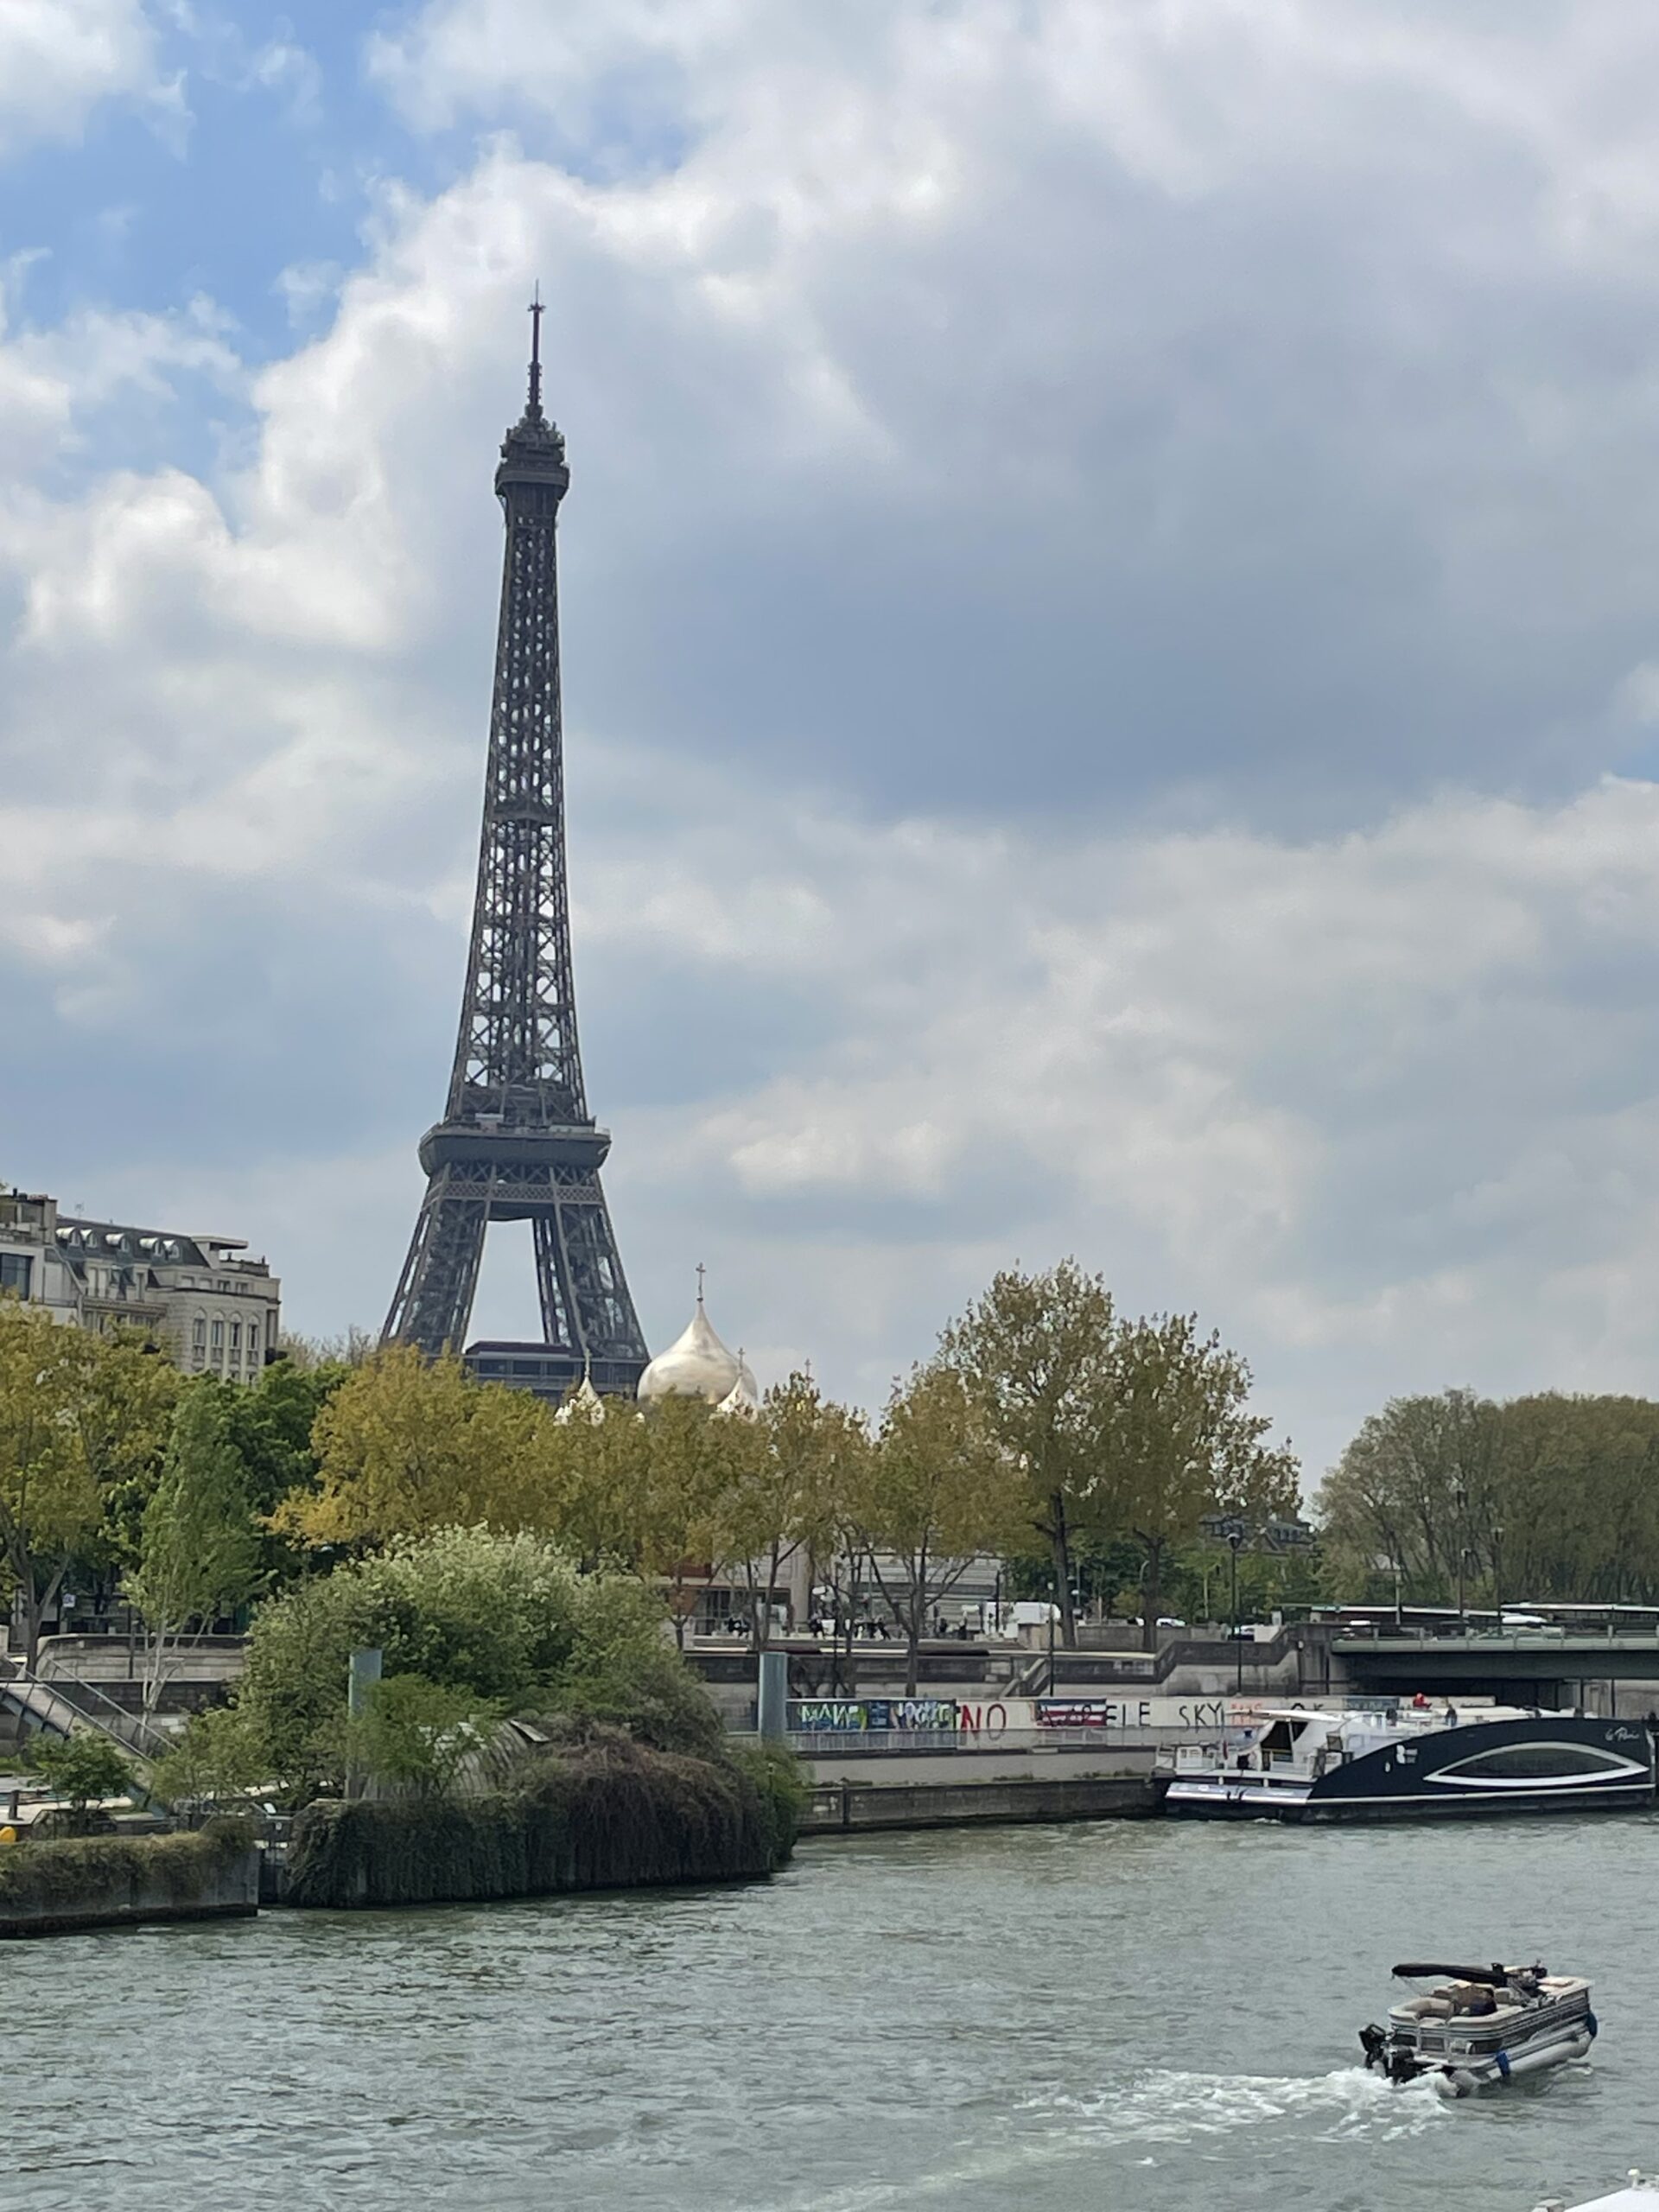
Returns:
(1279,1740)
(1528,1762)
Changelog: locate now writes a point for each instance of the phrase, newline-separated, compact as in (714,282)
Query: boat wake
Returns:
(1155,2108)
(1168,2107)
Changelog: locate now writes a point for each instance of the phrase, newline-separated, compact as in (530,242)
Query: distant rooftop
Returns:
(120,1240)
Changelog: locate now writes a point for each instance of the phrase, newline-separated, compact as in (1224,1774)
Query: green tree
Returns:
(271,1425)
(198,1547)
(82,1769)
(784,1471)
(82,1415)
(1418,1485)
(692,1456)
(416,1734)
(214,1757)
(1571,1508)
(354,1347)
(1181,1441)
(1040,1352)
(936,1489)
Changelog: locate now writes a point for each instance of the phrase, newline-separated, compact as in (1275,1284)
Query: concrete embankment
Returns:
(857,1786)
(59,1889)
(851,1808)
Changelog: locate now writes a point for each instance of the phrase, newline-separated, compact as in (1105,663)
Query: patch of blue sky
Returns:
(257,169)
(251,189)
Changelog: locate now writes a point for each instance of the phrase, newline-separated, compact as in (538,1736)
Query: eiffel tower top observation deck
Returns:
(516,1142)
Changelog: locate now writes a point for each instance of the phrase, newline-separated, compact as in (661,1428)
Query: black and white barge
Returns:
(1377,1758)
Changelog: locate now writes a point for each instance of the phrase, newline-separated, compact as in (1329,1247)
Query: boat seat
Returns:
(1470,1997)
(1426,2008)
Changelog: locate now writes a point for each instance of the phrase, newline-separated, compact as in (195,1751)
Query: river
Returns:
(1136,2015)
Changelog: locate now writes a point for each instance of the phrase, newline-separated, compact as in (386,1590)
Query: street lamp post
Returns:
(1497,1572)
(1236,1532)
(1461,1497)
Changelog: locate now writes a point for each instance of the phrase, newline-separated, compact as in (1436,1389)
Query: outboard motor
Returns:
(1374,2041)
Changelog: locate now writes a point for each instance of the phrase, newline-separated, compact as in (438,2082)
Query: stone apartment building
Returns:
(213,1309)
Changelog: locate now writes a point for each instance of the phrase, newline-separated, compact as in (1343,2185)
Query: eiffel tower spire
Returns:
(516,1142)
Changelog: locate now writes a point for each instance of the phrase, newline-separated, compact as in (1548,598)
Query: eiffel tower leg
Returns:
(599,1290)
(560,1323)
(434,1298)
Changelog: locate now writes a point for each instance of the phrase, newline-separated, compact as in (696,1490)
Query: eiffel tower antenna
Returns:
(516,1142)
(537,311)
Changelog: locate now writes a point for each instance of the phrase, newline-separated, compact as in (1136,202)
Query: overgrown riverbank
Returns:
(108,1881)
(609,1814)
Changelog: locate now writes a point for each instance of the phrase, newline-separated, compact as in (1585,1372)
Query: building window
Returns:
(15,1273)
(253,1340)
(199,1333)
(219,1336)
(236,1338)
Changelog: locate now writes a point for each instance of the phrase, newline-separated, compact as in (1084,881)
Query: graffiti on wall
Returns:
(983,1719)
(1130,1712)
(991,1717)
(846,1716)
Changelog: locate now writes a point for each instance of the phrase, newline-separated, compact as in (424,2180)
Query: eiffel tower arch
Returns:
(516,1142)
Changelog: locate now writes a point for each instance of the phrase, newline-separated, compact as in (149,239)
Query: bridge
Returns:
(1519,1667)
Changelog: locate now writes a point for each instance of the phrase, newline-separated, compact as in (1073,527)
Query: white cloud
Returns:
(921,368)
(59,58)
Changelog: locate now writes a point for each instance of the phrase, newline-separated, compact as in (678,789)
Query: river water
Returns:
(1124,2014)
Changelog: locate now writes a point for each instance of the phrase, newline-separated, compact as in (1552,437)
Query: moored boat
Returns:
(1640,2194)
(1377,1758)
(1483,2027)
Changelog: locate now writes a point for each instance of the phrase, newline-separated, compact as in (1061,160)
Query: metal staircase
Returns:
(45,1708)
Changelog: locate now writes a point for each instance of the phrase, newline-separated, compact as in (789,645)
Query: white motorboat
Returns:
(1482,2026)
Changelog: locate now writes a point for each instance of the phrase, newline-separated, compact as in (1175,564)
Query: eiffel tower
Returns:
(516,1142)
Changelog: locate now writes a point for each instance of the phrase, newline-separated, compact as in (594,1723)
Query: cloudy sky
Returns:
(1111,623)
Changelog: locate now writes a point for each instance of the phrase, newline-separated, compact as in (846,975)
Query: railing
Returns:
(51,1714)
(1385,1641)
(58,1708)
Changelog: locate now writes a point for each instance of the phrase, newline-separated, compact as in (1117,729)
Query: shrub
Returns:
(506,1619)
(81,1767)
(214,1756)
(417,1733)
(781,1783)
(604,1813)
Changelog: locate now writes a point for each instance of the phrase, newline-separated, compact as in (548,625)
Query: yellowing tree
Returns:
(592,1485)
(80,1414)
(937,1489)
(406,1444)
(1182,1441)
(1040,1353)
(198,1552)
(693,1458)
(785,1471)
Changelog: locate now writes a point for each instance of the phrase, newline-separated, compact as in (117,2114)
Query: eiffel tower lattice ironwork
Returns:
(516,1142)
